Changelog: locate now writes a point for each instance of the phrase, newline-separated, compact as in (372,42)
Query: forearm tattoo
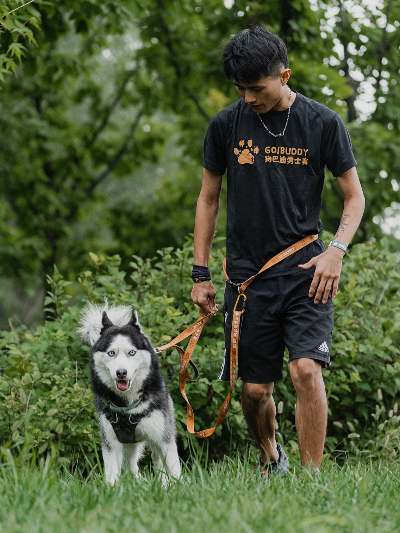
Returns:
(343,224)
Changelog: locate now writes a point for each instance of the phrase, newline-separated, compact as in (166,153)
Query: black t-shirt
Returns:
(275,184)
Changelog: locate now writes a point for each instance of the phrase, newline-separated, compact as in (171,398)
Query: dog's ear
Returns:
(134,321)
(106,323)
(96,319)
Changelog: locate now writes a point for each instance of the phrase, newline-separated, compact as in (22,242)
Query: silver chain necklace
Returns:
(287,120)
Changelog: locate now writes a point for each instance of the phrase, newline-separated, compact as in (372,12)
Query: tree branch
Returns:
(112,165)
(118,155)
(91,39)
(19,211)
(9,193)
(106,118)
(286,10)
(167,42)
(200,109)
(350,101)
(111,108)
(384,46)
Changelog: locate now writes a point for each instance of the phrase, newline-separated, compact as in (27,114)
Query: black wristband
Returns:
(200,273)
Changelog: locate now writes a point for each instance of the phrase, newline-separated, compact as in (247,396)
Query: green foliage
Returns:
(102,126)
(74,116)
(63,131)
(45,395)
(16,24)
(44,388)
(167,218)
(366,345)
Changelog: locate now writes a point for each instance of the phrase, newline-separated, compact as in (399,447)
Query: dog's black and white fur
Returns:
(132,400)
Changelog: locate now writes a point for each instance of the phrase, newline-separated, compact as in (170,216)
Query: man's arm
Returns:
(328,265)
(203,294)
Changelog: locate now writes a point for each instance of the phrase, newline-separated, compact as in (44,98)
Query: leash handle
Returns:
(190,331)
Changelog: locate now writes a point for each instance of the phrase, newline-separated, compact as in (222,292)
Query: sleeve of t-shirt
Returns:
(215,146)
(337,153)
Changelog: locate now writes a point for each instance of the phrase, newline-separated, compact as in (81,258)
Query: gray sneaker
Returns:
(280,467)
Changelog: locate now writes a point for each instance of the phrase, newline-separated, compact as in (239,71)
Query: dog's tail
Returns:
(92,316)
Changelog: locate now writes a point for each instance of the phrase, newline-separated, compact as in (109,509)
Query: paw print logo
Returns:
(246,154)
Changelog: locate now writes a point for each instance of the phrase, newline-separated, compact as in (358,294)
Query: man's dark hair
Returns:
(254,53)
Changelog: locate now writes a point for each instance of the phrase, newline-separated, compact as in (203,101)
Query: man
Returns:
(275,144)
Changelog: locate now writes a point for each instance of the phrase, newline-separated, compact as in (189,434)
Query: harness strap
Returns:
(117,409)
(195,330)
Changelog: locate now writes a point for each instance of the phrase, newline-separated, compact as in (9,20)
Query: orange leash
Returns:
(192,331)
(195,330)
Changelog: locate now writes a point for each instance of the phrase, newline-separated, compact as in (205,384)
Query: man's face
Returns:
(266,93)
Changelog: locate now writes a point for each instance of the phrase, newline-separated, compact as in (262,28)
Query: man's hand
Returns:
(203,295)
(328,267)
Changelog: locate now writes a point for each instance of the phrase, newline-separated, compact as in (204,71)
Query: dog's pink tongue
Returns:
(123,385)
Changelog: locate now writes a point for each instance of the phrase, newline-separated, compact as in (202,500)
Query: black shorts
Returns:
(278,313)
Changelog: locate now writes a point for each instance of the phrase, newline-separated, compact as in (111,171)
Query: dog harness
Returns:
(124,424)
(195,329)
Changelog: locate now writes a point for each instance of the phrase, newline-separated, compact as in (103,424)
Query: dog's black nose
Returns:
(121,373)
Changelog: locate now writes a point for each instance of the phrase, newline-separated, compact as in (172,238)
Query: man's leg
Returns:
(311,409)
(259,411)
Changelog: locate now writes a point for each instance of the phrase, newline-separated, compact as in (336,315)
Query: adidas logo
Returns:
(324,347)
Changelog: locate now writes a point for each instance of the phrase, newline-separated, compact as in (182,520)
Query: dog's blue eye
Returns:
(111,354)
(132,352)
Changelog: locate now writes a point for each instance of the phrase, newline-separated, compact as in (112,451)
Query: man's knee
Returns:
(305,373)
(257,392)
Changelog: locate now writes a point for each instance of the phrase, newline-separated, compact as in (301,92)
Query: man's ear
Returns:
(106,323)
(285,75)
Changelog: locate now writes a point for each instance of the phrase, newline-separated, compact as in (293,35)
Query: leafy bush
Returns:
(45,396)
(366,344)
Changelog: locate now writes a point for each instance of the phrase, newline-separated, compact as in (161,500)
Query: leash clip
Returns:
(244,302)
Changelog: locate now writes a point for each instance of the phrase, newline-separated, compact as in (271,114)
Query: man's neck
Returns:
(286,101)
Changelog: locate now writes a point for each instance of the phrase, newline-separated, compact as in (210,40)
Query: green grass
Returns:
(356,497)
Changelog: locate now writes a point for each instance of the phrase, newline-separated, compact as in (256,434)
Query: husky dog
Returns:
(132,400)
